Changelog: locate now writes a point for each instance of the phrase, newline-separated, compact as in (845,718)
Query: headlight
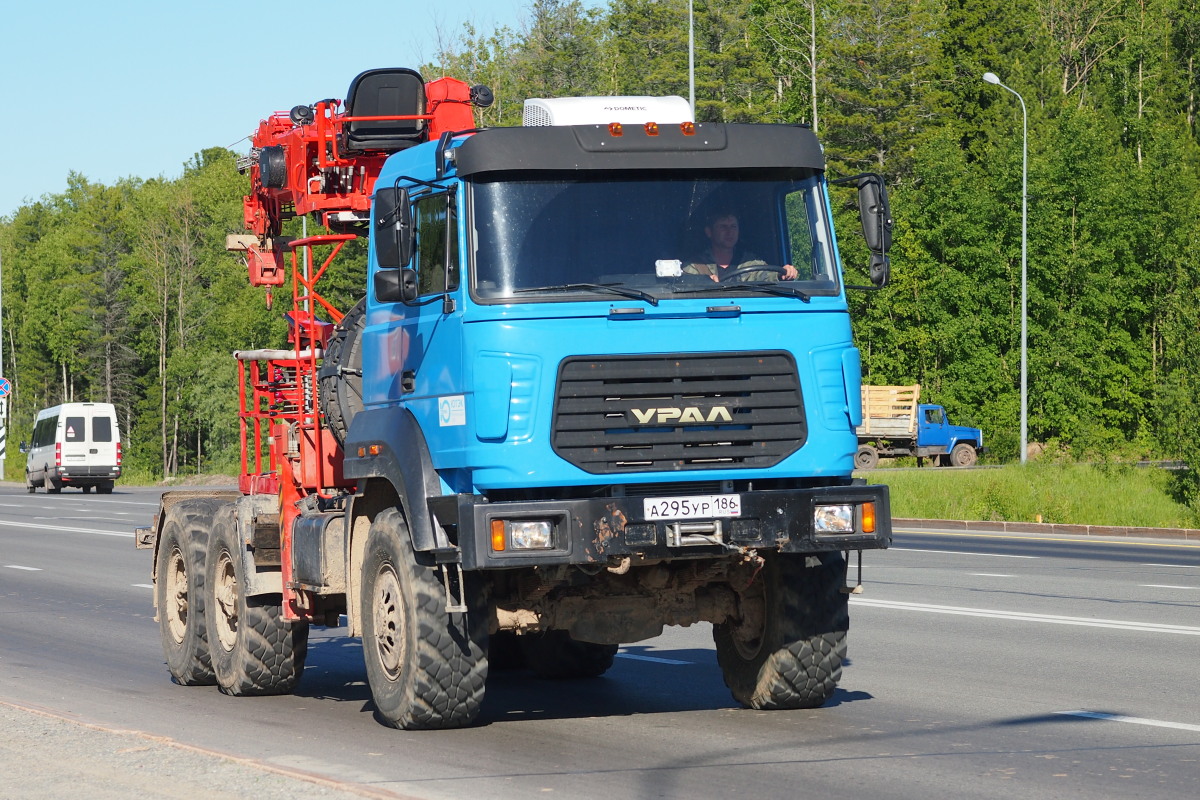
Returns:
(833,519)
(531,534)
(523,534)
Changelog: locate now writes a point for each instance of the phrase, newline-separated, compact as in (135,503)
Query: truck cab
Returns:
(951,445)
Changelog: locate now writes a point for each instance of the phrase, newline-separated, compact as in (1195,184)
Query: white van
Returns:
(74,444)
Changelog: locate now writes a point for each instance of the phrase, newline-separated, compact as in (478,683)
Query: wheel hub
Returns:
(390,639)
(226,596)
(176,595)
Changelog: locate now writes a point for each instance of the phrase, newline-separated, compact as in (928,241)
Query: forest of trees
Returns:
(125,293)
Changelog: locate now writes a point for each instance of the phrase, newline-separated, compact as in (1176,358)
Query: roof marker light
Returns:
(616,129)
(651,128)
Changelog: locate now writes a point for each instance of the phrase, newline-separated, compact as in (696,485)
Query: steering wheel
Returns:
(747,270)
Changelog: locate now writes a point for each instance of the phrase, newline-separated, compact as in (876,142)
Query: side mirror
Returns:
(24,447)
(876,214)
(392,227)
(396,285)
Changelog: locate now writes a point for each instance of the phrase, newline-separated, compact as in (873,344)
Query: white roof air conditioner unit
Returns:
(603,110)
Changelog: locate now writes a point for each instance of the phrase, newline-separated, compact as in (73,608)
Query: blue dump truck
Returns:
(571,408)
(895,424)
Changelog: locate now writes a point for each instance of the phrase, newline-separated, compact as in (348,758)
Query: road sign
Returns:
(5,387)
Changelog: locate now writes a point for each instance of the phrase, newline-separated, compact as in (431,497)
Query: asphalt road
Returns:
(981,665)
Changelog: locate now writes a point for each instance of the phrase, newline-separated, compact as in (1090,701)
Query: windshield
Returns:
(600,238)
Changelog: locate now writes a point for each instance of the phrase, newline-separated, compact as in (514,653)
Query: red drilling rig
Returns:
(320,160)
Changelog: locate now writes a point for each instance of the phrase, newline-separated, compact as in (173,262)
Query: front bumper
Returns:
(598,530)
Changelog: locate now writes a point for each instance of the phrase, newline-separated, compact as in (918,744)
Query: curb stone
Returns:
(1048,528)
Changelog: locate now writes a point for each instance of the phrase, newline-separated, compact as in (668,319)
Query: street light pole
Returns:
(691,60)
(990,77)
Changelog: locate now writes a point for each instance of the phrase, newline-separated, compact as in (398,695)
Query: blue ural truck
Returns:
(546,430)
(894,424)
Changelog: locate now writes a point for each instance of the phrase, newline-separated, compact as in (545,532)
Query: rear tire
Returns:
(29,486)
(867,457)
(787,649)
(179,589)
(504,652)
(105,488)
(555,655)
(427,668)
(52,486)
(255,651)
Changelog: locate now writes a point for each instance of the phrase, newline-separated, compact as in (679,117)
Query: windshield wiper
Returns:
(770,287)
(614,288)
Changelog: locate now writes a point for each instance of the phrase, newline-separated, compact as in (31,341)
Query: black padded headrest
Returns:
(381,93)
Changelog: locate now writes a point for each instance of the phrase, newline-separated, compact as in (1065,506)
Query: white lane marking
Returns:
(651,658)
(959,553)
(1157,723)
(143,585)
(1174,566)
(989,575)
(18,566)
(61,529)
(1024,617)
(1165,586)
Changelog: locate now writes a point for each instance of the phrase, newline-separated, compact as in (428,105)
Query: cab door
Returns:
(421,340)
(933,432)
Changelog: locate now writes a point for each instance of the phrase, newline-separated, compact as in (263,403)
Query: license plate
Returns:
(698,507)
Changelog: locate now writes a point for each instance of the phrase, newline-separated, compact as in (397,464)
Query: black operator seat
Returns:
(384,93)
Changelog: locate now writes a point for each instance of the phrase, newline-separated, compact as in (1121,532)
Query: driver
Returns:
(724,256)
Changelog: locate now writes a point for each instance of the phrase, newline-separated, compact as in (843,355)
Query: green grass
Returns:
(1077,494)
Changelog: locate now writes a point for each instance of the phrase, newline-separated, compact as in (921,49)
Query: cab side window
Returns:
(432,240)
(43,431)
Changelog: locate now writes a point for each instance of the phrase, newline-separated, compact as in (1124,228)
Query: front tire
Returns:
(179,591)
(963,455)
(786,650)
(255,651)
(426,667)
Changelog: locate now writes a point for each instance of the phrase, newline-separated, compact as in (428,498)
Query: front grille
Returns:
(678,412)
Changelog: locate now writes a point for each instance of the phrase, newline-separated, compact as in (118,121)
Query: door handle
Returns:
(408,381)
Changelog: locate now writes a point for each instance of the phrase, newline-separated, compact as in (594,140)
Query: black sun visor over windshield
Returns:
(713,146)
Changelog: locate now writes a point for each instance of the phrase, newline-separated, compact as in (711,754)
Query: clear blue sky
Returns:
(136,87)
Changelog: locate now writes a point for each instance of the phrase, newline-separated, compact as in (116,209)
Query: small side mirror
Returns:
(24,447)
(396,285)
(391,227)
(408,285)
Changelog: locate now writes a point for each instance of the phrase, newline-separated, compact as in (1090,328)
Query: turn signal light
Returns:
(499,539)
(868,517)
